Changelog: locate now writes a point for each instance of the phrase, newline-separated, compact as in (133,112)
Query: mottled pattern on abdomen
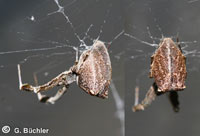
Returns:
(95,74)
(168,67)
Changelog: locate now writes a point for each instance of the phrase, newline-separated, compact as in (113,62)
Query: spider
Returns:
(168,68)
(92,72)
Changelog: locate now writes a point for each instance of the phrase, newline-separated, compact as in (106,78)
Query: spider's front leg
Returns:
(50,99)
(150,96)
(65,79)
(59,80)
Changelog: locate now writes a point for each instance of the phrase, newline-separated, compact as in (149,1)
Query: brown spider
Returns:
(92,73)
(168,68)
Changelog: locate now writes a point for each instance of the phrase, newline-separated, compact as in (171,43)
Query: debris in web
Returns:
(32,18)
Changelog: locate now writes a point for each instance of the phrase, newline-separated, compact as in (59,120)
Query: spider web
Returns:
(49,34)
(82,41)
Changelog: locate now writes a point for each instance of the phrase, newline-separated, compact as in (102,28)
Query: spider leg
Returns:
(150,96)
(179,44)
(40,96)
(19,76)
(66,78)
(173,97)
(52,99)
(136,95)
(48,99)
(76,62)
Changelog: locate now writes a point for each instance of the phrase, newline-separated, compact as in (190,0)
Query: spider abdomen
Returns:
(94,70)
(168,67)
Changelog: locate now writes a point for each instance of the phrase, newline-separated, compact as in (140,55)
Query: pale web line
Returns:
(119,103)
